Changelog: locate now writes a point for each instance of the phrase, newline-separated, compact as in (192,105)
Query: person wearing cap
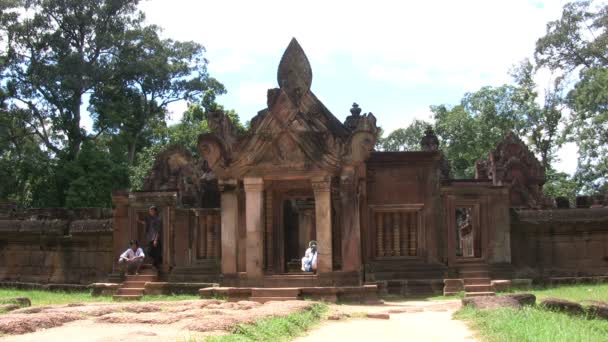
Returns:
(132,258)
(153,231)
(309,261)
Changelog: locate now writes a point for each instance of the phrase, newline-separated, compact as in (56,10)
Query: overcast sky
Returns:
(394,58)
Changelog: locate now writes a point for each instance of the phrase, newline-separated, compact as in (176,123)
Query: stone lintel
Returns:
(227,185)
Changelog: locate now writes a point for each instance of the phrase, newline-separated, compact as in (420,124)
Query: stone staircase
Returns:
(133,287)
(410,278)
(477,281)
(263,295)
(291,280)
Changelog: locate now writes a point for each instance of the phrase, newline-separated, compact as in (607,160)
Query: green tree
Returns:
(56,55)
(184,133)
(404,139)
(470,130)
(576,45)
(150,73)
(542,122)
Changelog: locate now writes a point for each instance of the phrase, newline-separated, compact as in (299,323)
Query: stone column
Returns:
(322,189)
(351,232)
(230,216)
(254,222)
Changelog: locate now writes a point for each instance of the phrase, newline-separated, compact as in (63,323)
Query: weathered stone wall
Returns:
(56,246)
(559,243)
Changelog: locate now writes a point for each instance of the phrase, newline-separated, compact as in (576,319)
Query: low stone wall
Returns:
(557,243)
(58,246)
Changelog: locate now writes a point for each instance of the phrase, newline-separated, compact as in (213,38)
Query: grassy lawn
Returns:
(536,324)
(42,297)
(532,324)
(576,293)
(276,328)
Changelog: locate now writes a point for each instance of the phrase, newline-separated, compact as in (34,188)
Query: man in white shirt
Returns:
(309,261)
(132,258)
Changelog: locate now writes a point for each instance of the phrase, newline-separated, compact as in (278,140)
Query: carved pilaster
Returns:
(254,211)
(322,189)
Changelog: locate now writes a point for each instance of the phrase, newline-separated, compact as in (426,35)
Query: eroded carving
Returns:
(514,165)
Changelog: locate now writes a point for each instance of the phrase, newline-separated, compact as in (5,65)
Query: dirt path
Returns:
(411,321)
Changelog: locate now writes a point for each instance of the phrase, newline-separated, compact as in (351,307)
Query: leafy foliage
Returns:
(59,55)
(404,139)
(576,45)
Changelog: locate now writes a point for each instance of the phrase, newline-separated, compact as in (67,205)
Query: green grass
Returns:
(537,324)
(533,324)
(577,293)
(43,297)
(276,328)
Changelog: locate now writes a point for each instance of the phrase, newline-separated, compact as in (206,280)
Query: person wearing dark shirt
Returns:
(153,231)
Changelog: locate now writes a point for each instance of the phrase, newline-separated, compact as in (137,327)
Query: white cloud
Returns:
(253,93)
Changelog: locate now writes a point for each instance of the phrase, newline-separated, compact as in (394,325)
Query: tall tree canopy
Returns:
(62,58)
(577,45)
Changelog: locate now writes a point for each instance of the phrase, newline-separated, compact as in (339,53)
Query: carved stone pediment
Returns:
(513,164)
(296,133)
(176,169)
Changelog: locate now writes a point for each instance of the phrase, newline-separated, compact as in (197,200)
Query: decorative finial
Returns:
(355,111)
(294,74)
(429,142)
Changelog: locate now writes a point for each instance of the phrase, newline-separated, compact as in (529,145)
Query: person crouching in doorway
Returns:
(154,225)
(132,258)
(309,261)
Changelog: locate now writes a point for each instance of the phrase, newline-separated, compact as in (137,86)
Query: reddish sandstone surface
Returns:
(137,321)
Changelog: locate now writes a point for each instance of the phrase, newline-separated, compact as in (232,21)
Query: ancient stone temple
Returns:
(243,211)
(239,213)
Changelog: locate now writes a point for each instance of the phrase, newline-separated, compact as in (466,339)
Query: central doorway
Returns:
(299,229)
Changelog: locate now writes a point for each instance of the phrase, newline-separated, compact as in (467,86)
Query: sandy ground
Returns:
(181,321)
(151,321)
(409,321)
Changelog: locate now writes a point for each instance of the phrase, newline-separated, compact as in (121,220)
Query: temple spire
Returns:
(294,75)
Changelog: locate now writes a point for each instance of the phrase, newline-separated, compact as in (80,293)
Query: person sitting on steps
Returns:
(309,261)
(132,258)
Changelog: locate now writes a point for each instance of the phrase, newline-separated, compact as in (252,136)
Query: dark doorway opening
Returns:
(299,228)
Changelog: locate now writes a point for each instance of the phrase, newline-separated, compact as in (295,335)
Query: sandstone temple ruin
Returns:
(240,212)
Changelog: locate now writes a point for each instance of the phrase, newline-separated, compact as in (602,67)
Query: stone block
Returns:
(523,298)
(521,284)
(598,310)
(501,285)
(378,315)
(491,302)
(561,305)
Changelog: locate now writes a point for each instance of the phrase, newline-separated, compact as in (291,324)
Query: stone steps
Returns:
(134,286)
(263,295)
(479,294)
(478,288)
(477,281)
(291,280)
(263,300)
(142,277)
